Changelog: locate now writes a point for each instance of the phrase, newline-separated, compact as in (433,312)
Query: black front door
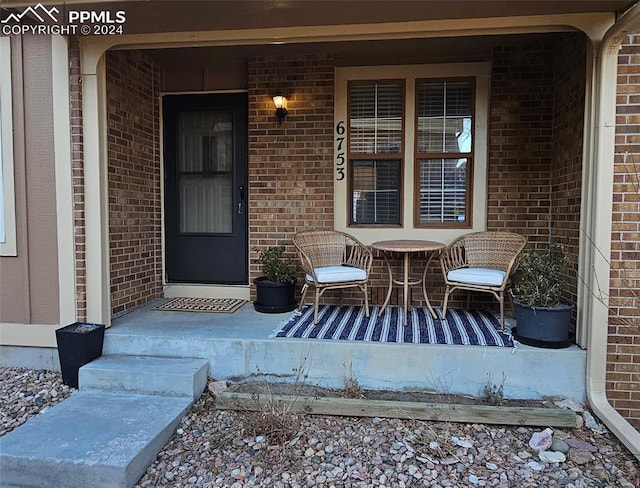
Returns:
(205,156)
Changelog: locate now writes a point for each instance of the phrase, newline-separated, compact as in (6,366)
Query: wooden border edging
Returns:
(443,412)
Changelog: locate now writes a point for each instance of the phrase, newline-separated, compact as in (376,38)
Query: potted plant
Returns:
(542,318)
(78,344)
(275,291)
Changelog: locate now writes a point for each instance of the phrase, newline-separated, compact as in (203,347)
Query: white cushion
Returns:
(477,276)
(337,274)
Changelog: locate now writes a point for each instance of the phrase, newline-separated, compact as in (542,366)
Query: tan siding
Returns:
(29,286)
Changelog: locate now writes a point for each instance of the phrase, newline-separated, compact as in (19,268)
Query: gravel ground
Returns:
(277,449)
(27,392)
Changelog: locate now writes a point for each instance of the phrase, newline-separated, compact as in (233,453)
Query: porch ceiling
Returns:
(356,53)
(189,16)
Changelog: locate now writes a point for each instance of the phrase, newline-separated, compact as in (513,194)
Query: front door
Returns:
(205,156)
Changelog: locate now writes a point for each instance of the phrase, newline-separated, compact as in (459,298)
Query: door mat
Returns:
(212,305)
(463,327)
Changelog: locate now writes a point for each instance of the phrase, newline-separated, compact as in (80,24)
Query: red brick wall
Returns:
(623,377)
(290,164)
(535,142)
(566,150)
(77,159)
(520,140)
(134,179)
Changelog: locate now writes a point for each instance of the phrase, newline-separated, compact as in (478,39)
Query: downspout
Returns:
(600,227)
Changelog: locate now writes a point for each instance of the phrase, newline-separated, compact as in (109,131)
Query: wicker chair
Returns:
(332,260)
(481,261)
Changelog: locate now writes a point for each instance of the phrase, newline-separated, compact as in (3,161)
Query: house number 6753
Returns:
(340,130)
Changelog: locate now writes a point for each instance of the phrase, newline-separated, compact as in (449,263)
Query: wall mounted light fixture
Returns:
(281,107)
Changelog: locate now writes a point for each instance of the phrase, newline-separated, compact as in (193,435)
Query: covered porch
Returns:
(542,91)
(526,172)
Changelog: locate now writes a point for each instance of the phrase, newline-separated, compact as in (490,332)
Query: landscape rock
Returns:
(580,457)
(558,445)
(580,445)
(541,441)
(552,457)
(591,423)
(217,386)
(216,448)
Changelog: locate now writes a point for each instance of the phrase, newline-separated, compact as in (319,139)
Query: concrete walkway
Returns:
(105,435)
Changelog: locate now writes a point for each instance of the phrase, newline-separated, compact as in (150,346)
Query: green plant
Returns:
(542,276)
(275,267)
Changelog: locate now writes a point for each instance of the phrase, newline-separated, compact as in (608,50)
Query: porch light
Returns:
(281,107)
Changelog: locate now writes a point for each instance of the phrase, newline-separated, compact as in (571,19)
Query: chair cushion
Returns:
(477,276)
(338,274)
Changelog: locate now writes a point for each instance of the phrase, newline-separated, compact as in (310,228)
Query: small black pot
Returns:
(547,327)
(78,344)
(272,297)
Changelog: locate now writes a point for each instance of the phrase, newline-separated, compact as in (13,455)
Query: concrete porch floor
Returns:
(238,346)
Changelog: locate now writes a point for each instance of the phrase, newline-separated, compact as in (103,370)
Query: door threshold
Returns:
(192,290)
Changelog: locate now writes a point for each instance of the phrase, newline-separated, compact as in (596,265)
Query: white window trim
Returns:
(8,246)
(481,72)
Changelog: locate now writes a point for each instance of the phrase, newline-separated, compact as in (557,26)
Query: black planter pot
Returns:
(78,344)
(272,297)
(547,327)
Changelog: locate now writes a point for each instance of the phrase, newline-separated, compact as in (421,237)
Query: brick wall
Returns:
(290,164)
(535,143)
(77,161)
(520,140)
(134,179)
(566,150)
(623,368)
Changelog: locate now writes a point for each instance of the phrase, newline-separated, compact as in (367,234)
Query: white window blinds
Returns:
(444,138)
(376,117)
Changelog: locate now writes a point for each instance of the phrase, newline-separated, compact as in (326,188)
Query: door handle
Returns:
(241,202)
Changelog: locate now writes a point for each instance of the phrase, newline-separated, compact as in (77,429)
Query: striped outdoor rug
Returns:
(348,323)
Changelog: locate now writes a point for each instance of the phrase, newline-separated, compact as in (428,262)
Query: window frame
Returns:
(410,72)
(377,156)
(418,156)
(8,247)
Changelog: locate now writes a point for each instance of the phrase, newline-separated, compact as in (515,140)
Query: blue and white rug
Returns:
(348,323)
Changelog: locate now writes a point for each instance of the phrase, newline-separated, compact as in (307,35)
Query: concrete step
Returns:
(92,439)
(145,375)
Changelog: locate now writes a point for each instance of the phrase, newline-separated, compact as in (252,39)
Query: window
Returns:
(7,198)
(375,194)
(444,158)
(376,140)
(410,150)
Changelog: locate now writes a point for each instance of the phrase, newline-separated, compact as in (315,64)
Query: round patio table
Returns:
(407,247)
